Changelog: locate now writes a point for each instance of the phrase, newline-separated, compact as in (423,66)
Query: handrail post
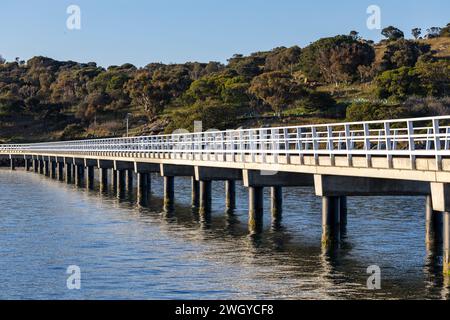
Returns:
(388,143)
(367,145)
(437,144)
(411,144)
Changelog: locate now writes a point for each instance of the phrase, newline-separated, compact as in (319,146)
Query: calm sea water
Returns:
(126,251)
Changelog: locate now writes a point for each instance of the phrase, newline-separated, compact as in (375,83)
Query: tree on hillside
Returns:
(392,33)
(402,53)
(277,89)
(355,35)
(283,59)
(2,60)
(445,32)
(416,32)
(433,32)
(334,60)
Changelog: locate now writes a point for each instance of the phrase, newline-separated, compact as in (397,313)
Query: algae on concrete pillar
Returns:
(276,197)
(255,209)
(330,220)
(169,193)
(103,175)
(446,236)
(121,183)
(68,173)
(195,193)
(205,196)
(60,169)
(90,177)
(433,224)
(230,195)
(53,169)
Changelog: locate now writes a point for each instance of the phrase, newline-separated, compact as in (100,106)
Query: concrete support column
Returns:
(90,177)
(41,167)
(330,220)
(129,180)
(205,196)
(27,164)
(12,163)
(46,168)
(142,188)
(343,211)
(36,165)
(433,224)
(276,197)
(169,193)
(195,193)
(230,194)
(53,169)
(120,182)
(103,175)
(115,175)
(68,172)
(60,169)
(79,174)
(446,236)
(255,209)
(74,172)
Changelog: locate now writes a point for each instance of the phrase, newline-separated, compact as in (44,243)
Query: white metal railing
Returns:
(417,137)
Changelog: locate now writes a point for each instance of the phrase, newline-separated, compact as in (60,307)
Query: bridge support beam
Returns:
(221,174)
(52,168)
(230,195)
(255,209)
(276,197)
(142,188)
(330,220)
(79,175)
(28,162)
(103,177)
(440,193)
(446,235)
(120,183)
(169,192)
(434,225)
(195,193)
(90,177)
(60,169)
(46,167)
(12,163)
(41,166)
(68,168)
(205,197)
(129,179)
(35,165)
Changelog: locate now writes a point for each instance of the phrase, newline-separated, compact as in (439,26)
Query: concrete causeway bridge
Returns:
(408,157)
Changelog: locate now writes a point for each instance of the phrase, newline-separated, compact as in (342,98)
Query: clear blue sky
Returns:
(172,31)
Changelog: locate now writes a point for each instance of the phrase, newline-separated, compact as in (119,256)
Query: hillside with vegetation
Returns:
(332,79)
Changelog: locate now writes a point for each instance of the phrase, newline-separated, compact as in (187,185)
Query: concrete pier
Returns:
(446,235)
(205,197)
(12,164)
(103,177)
(35,165)
(330,220)
(255,209)
(115,175)
(60,170)
(27,164)
(142,188)
(68,177)
(129,179)
(46,168)
(276,197)
(41,166)
(79,175)
(169,193)
(90,177)
(343,212)
(195,193)
(433,224)
(230,195)
(121,185)
(53,169)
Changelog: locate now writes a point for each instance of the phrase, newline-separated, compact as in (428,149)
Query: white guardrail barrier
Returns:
(417,137)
